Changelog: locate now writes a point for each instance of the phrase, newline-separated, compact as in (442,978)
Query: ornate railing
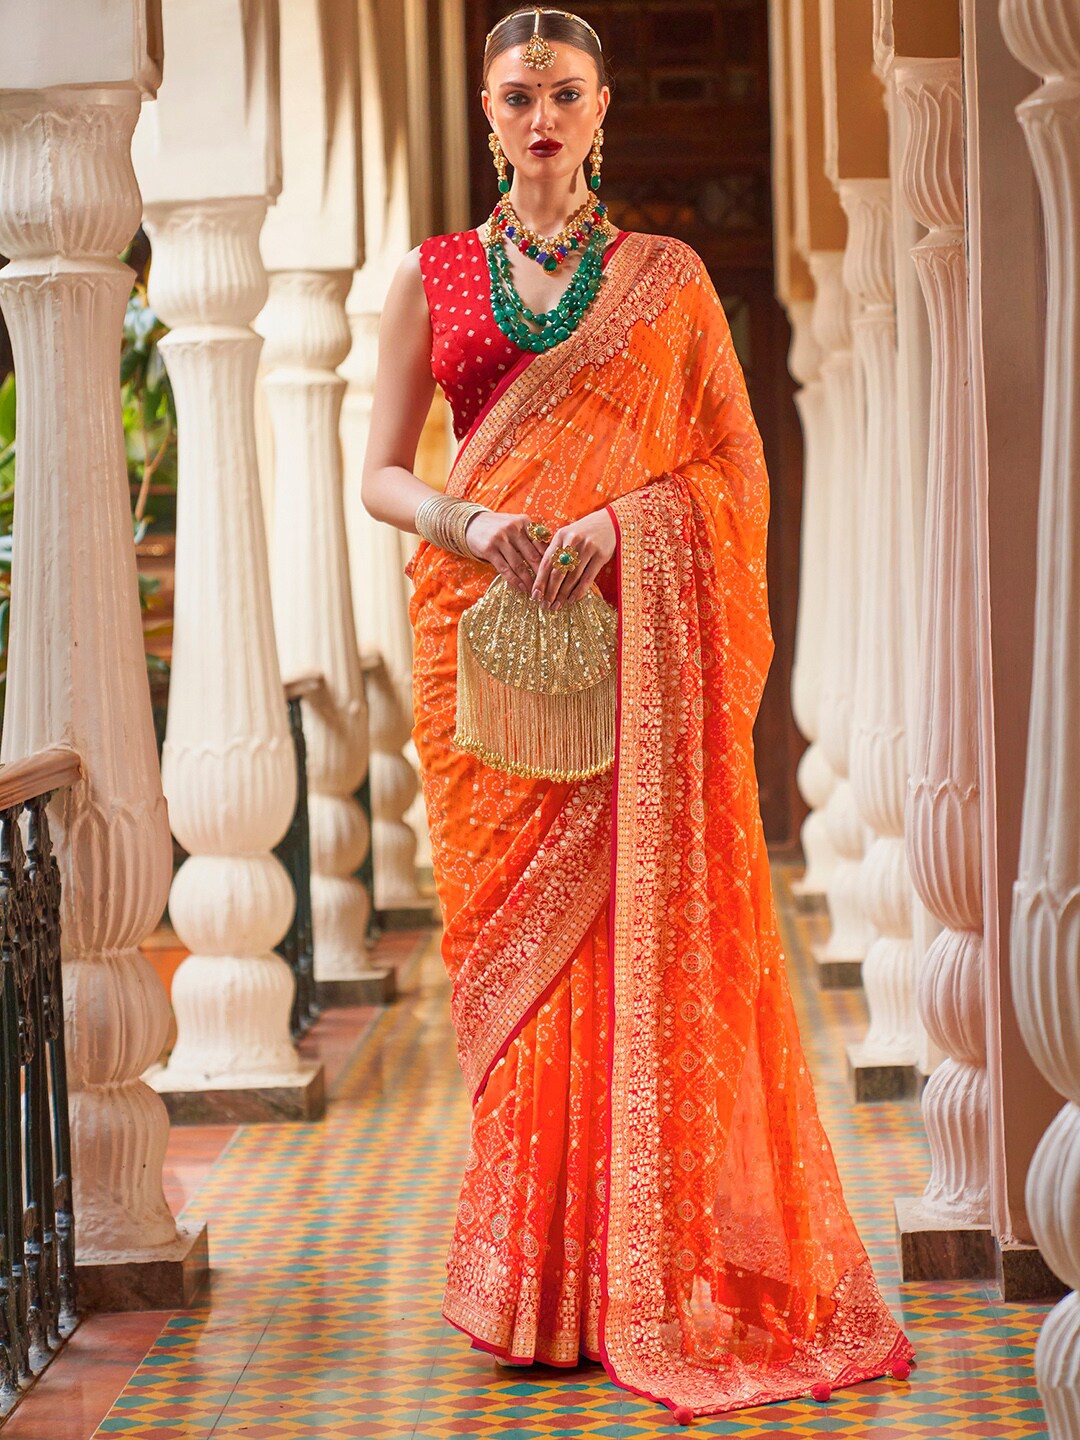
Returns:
(297,946)
(37,1222)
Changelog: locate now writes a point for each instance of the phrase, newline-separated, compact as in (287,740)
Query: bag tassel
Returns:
(563,731)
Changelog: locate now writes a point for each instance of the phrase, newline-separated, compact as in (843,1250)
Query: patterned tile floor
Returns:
(328,1243)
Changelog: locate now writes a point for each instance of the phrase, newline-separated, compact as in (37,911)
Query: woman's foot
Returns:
(508,1364)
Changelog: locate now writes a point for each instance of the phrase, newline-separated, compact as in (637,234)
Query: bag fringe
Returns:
(533,733)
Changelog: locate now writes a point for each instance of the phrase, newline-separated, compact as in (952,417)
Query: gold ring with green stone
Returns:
(567,557)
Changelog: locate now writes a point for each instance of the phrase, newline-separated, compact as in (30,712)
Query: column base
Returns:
(874,1077)
(809,902)
(377,986)
(302,1099)
(935,1249)
(836,974)
(165,1279)
(1024,1276)
(421,916)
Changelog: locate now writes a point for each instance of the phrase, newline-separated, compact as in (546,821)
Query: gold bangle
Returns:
(441,519)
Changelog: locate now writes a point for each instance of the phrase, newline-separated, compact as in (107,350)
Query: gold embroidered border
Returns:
(638,285)
(535,931)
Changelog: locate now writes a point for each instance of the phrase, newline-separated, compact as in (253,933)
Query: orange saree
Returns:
(648,1182)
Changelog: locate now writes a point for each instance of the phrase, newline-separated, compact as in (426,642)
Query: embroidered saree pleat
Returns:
(648,1181)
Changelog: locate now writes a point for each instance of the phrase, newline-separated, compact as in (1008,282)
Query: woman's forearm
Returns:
(393,494)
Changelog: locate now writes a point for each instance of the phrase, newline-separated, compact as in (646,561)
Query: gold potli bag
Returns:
(536,686)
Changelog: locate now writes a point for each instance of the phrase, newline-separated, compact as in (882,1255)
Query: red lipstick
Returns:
(545,147)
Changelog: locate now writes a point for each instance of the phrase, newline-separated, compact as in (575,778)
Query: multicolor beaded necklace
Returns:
(512,315)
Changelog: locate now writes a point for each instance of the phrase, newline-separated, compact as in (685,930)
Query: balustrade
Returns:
(37,1221)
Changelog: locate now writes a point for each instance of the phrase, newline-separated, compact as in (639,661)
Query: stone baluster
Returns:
(393,790)
(394,219)
(815,776)
(1044,35)
(307,337)
(839,959)
(228,762)
(881,1064)
(76,676)
(946,1231)
(311,247)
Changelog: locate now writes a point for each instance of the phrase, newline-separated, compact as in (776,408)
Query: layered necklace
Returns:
(588,230)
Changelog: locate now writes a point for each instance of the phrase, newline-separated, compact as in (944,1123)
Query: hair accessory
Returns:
(536,686)
(540,11)
(538,54)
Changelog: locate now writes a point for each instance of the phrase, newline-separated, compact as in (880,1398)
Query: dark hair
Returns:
(558,26)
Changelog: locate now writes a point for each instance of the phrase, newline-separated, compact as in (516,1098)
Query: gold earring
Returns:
(595,158)
(500,162)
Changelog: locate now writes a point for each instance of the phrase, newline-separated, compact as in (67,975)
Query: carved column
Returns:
(881,1064)
(1045,36)
(77,674)
(311,246)
(229,765)
(945,1232)
(307,337)
(228,762)
(839,960)
(393,790)
(815,775)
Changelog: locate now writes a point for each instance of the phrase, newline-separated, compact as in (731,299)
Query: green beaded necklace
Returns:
(511,312)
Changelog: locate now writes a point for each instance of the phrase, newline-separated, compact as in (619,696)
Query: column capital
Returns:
(1044,35)
(65,156)
(868,258)
(832,308)
(208,268)
(932,169)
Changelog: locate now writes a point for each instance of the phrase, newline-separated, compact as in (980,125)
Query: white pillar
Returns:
(1045,37)
(228,763)
(815,775)
(77,674)
(311,248)
(839,959)
(946,1231)
(396,216)
(881,1064)
(393,790)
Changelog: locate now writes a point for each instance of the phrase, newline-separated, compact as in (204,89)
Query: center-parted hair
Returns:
(554,27)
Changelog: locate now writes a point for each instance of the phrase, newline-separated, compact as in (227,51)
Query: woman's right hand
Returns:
(502,540)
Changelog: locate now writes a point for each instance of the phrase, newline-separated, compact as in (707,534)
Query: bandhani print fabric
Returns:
(648,1183)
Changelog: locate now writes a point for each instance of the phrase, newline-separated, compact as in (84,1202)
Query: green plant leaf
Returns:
(7,412)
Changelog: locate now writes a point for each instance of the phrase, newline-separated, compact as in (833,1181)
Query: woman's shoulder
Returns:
(672,249)
(446,245)
(666,252)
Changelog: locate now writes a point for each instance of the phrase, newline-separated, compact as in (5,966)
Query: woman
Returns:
(648,1183)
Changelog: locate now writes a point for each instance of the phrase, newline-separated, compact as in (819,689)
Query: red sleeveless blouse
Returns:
(469,353)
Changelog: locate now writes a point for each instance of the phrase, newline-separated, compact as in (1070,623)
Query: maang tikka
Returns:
(538,54)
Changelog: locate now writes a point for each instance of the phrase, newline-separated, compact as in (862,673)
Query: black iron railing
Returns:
(297,946)
(37,1222)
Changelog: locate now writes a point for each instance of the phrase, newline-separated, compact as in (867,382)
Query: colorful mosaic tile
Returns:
(328,1242)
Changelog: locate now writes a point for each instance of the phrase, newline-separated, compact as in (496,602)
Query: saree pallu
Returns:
(648,1182)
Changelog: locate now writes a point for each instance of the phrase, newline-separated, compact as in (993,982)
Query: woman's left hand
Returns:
(593,537)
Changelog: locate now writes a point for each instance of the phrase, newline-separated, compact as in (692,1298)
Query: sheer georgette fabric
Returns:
(648,1183)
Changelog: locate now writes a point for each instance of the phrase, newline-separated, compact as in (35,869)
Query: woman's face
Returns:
(562,106)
